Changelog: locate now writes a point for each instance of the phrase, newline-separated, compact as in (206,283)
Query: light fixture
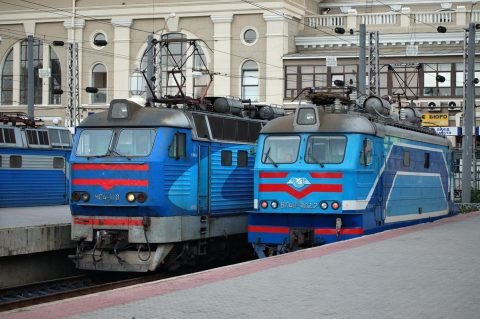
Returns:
(136,83)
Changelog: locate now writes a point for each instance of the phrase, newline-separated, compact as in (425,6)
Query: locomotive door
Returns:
(203,204)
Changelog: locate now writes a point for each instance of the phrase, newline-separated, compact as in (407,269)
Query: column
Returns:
(46,89)
(121,58)
(277,46)
(16,74)
(222,36)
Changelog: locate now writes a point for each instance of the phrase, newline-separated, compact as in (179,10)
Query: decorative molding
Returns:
(222,19)
(122,23)
(384,39)
(274,17)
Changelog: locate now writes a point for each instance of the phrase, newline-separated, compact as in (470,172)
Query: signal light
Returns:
(324,205)
(335,205)
(274,205)
(76,196)
(141,197)
(131,197)
(264,204)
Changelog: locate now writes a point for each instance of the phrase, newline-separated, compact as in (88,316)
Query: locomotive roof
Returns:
(138,116)
(350,123)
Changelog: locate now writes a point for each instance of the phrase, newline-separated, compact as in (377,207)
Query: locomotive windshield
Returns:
(130,142)
(135,142)
(94,143)
(325,149)
(280,149)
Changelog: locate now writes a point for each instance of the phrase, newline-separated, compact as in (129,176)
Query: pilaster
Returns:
(222,36)
(121,57)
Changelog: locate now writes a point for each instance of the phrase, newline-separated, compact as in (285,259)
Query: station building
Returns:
(267,51)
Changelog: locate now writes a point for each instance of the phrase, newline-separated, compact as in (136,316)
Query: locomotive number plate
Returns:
(302,205)
(107,196)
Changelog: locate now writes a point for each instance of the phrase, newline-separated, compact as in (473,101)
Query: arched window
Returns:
(11,94)
(250,80)
(99,80)
(7,79)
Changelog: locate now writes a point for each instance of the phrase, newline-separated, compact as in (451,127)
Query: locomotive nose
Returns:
(101,184)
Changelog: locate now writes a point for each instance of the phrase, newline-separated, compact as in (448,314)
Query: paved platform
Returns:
(425,271)
(27,230)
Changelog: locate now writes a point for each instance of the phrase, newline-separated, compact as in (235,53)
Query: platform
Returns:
(425,271)
(28,230)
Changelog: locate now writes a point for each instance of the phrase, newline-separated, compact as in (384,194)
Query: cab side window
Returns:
(366,152)
(177,148)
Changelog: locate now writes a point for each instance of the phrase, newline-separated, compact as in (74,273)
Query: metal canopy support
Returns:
(374,65)
(73,110)
(468,113)
(30,78)
(362,63)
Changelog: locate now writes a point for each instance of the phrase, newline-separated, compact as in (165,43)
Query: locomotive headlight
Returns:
(264,204)
(274,204)
(323,205)
(141,197)
(131,197)
(76,196)
(85,197)
(335,205)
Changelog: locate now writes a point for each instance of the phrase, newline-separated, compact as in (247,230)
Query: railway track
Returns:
(29,295)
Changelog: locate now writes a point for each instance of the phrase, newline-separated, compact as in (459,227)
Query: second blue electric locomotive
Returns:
(330,173)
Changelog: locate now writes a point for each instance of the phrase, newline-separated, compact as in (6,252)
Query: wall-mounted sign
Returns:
(331,61)
(449,131)
(44,73)
(435,120)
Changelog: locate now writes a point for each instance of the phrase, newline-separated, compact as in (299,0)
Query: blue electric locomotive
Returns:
(33,162)
(157,186)
(330,173)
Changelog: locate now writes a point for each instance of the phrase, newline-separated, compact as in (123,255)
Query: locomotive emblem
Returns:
(298,182)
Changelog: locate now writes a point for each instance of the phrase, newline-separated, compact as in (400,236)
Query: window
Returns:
(226,158)
(406,158)
(250,36)
(15,161)
(242,159)
(177,149)
(7,80)
(59,162)
(94,142)
(99,80)
(7,136)
(60,137)
(280,149)
(426,160)
(433,87)
(250,88)
(18,57)
(201,125)
(366,153)
(325,149)
(55,78)
(99,37)
(135,142)
(37,137)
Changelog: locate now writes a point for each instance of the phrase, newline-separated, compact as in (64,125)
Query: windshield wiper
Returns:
(267,156)
(310,153)
(118,154)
